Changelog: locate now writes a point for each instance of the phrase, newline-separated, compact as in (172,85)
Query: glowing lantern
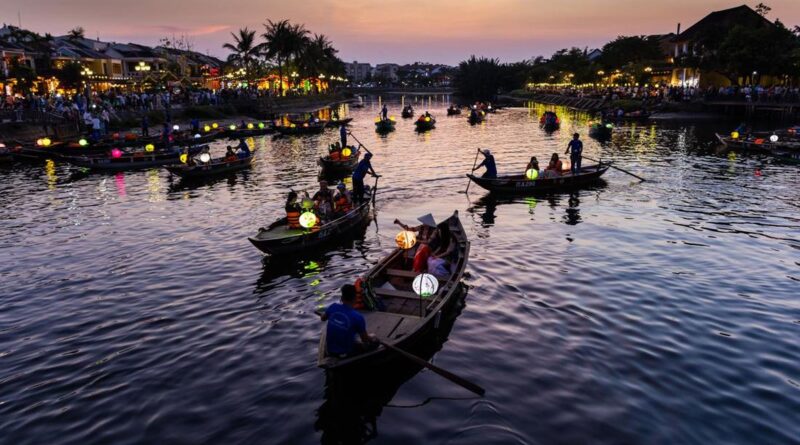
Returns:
(307,203)
(292,126)
(149,148)
(116,153)
(184,157)
(46,142)
(773,138)
(406,239)
(197,136)
(427,119)
(305,124)
(316,120)
(207,128)
(735,135)
(115,135)
(215,125)
(532,174)
(38,142)
(308,220)
(377,119)
(176,127)
(609,126)
(250,126)
(83,142)
(205,157)
(391,118)
(346,152)
(261,125)
(425,285)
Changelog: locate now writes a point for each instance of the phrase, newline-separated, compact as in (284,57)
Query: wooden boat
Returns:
(384,125)
(397,315)
(520,185)
(549,125)
(759,144)
(335,122)
(132,160)
(300,129)
(217,167)
(453,110)
(408,112)
(600,130)
(476,118)
(339,166)
(6,155)
(425,123)
(279,239)
(633,116)
(260,129)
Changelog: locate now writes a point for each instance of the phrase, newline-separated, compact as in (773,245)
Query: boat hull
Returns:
(519,185)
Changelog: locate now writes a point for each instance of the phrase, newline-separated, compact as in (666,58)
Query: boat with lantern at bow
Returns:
(453,110)
(335,122)
(783,148)
(394,312)
(247,131)
(341,164)
(522,185)
(119,160)
(385,125)
(601,130)
(301,128)
(280,239)
(213,168)
(408,112)
(425,122)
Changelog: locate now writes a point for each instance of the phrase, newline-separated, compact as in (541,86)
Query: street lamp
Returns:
(142,67)
(294,78)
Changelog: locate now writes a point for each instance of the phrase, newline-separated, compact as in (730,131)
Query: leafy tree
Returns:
(767,50)
(763,9)
(478,78)
(24,74)
(630,49)
(244,49)
(283,41)
(76,33)
(69,76)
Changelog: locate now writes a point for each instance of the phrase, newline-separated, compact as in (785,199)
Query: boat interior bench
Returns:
(388,325)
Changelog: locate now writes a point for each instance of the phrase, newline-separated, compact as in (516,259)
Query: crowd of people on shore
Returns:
(668,93)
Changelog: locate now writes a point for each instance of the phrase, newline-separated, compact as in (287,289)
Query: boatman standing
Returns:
(360,172)
(344,324)
(384,112)
(488,162)
(575,149)
(343,135)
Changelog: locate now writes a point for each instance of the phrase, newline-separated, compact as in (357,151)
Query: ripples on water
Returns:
(135,311)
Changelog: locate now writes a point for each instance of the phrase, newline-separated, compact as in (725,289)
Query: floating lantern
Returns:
(215,125)
(773,138)
(261,125)
(735,135)
(307,203)
(425,285)
(205,157)
(116,153)
(83,142)
(197,136)
(176,127)
(207,128)
(46,142)
(406,239)
(308,220)
(184,157)
(149,148)
(250,126)
(532,174)
(346,152)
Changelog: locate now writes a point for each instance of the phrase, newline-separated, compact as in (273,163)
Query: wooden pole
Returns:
(473,169)
(620,169)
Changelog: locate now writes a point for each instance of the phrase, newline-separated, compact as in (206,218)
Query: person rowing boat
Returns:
(363,168)
(575,149)
(488,162)
(345,324)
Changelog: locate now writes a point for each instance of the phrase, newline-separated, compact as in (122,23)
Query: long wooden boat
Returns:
(241,133)
(340,166)
(334,122)
(632,116)
(384,125)
(425,124)
(6,155)
(132,161)
(602,131)
(476,117)
(408,112)
(453,111)
(397,315)
(300,129)
(217,167)
(759,144)
(521,185)
(279,239)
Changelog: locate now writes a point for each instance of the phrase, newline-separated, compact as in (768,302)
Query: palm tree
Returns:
(283,41)
(318,56)
(76,33)
(245,51)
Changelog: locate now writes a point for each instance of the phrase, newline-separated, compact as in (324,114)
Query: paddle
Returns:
(464,383)
(620,169)
(473,168)
(359,142)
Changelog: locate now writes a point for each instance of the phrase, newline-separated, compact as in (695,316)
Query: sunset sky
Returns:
(445,31)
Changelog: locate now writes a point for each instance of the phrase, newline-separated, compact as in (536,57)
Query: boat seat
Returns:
(401,273)
(394,293)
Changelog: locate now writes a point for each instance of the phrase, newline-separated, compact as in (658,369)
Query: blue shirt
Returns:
(361,169)
(343,132)
(344,323)
(491,168)
(575,147)
(245,150)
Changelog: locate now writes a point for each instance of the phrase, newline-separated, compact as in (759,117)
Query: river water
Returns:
(134,310)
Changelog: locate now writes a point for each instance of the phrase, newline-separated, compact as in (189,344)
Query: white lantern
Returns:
(176,127)
(773,138)
(425,285)
(205,157)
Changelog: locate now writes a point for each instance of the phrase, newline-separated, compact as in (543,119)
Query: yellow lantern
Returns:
(292,126)
(406,239)
(391,118)
(46,142)
(232,127)
(184,157)
(735,135)
(427,119)
(346,152)
(215,125)
(207,128)
(149,147)
(425,285)
(532,174)
(83,142)
(308,220)
(250,126)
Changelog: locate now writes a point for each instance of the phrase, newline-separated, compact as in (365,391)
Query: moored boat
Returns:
(393,312)
(213,168)
(301,128)
(521,185)
(119,160)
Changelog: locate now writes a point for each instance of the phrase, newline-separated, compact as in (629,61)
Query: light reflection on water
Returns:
(135,310)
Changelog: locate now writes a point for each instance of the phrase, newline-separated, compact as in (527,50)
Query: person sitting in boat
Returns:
(532,164)
(424,231)
(345,323)
(323,200)
(488,162)
(335,152)
(554,168)
(342,199)
(230,155)
(293,211)
(244,149)
(363,168)
(443,250)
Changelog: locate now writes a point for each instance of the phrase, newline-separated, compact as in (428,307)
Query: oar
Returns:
(442,372)
(359,142)
(473,168)
(620,169)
